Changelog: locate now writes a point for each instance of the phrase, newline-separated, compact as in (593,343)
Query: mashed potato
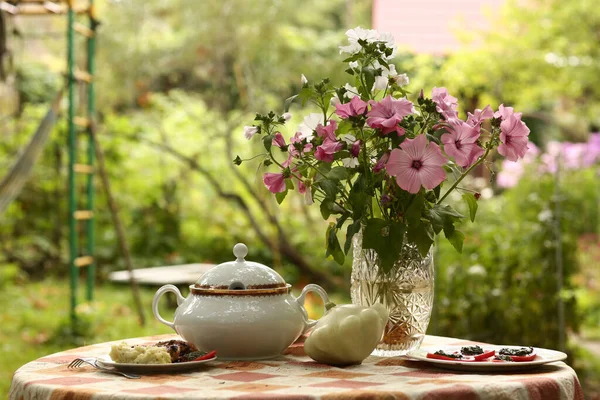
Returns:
(123,353)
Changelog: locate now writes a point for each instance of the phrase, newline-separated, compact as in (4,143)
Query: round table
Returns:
(290,376)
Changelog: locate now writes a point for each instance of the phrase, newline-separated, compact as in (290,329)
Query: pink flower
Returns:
(513,135)
(381,163)
(475,119)
(327,132)
(279,141)
(355,107)
(326,151)
(296,140)
(355,149)
(461,143)
(417,163)
(275,182)
(505,112)
(446,104)
(387,113)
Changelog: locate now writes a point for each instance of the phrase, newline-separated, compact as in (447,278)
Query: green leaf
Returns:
(422,236)
(343,127)
(338,173)
(333,245)
(358,198)
(268,141)
(352,230)
(329,187)
(440,216)
(305,94)
(288,102)
(472,203)
(373,233)
(386,238)
(369,79)
(329,207)
(413,212)
(353,57)
(437,191)
(281,196)
(455,237)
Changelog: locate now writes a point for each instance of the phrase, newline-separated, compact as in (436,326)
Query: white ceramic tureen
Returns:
(241,309)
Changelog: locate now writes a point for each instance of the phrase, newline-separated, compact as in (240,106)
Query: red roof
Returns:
(429,26)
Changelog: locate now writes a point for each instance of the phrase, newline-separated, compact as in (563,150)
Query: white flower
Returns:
(390,43)
(350,162)
(250,131)
(287,116)
(334,100)
(308,196)
(351,91)
(402,80)
(309,124)
(353,64)
(356,34)
(349,138)
(303,80)
(381,82)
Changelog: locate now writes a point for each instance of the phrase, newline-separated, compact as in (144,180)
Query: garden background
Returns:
(176,82)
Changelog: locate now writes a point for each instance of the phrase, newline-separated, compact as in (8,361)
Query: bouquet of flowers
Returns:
(375,160)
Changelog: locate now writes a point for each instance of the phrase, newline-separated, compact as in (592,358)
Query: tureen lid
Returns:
(240,274)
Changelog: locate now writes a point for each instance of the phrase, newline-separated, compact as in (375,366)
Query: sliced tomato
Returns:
(529,357)
(206,356)
(485,355)
(440,357)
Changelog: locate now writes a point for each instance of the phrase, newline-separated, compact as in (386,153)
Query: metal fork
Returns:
(78,362)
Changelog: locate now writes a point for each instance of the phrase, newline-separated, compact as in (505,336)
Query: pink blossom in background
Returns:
(446,105)
(387,113)
(355,107)
(592,154)
(275,182)
(478,116)
(327,132)
(355,149)
(513,135)
(417,163)
(461,142)
(278,141)
(381,163)
(511,172)
(506,112)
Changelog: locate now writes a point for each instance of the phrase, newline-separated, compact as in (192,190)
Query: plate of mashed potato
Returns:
(163,357)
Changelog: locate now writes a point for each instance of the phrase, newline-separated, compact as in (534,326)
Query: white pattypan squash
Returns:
(347,334)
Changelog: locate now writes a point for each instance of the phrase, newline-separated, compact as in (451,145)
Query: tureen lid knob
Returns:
(240,251)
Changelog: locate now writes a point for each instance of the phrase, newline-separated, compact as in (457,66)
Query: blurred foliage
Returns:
(533,57)
(503,288)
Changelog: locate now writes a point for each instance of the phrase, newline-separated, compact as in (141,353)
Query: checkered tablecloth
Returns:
(291,376)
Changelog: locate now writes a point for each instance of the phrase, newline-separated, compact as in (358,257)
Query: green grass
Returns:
(34,322)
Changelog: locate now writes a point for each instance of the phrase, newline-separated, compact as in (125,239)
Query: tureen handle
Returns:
(158,295)
(321,292)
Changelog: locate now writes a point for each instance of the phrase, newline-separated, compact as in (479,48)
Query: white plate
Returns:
(106,361)
(543,356)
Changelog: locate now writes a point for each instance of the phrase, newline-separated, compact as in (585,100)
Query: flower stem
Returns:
(487,151)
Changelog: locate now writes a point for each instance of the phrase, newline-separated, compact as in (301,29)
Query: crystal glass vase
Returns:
(406,291)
